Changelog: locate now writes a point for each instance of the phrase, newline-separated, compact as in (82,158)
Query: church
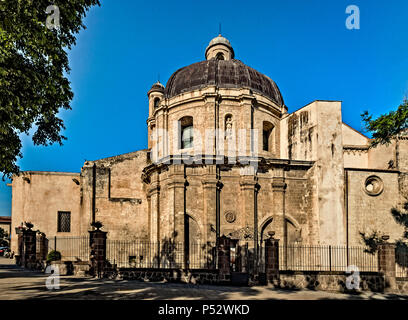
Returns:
(225,157)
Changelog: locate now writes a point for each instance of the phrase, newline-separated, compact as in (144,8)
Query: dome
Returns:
(220,40)
(223,74)
(157,87)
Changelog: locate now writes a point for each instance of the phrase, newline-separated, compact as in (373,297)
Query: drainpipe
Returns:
(219,186)
(186,223)
(256,191)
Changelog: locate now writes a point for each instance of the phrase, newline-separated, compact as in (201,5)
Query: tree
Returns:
(33,68)
(384,129)
(387,126)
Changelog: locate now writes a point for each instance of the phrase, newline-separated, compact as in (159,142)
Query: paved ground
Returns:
(17,283)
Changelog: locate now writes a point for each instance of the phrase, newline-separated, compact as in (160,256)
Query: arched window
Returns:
(267,136)
(186,132)
(220,56)
(156,102)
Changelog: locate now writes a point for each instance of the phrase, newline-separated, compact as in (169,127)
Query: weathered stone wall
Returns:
(209,112)
(329,281)
(37,198)
(168,275)
(121,199)
(314,132)
(275,206)
(367,213)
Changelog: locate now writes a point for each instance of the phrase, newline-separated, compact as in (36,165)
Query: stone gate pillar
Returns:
(386,264)
(20,252)
(97,243)
(272,259)
(29,244)
(42,249)
(224,258)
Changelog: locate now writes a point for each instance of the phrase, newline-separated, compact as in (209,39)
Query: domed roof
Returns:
(223,74)
(156,87)
(220,40)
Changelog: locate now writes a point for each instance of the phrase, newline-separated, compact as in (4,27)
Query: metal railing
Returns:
(166,254)
(71,248)
(326,258)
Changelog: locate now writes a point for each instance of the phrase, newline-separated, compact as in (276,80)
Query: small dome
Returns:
(157,87)
(220,40)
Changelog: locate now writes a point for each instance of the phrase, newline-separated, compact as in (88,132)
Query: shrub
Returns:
(53,256)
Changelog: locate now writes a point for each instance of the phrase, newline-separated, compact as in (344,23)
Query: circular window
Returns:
(230,216)
(373,186)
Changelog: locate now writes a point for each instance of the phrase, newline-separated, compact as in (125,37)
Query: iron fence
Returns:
(71,248)
(401,262)
(166,254)
(326,258)
(245,256)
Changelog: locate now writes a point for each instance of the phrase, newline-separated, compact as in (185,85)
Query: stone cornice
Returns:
(198,161)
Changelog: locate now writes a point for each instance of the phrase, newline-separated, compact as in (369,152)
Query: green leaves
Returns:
(33,61)
(387,126)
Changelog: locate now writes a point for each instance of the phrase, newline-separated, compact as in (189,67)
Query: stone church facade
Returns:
(225,157)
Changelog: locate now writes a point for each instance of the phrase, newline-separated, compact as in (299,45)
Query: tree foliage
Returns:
(33,68)
(373,239)
(386,126)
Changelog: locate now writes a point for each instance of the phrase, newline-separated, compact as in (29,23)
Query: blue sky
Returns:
(303,45)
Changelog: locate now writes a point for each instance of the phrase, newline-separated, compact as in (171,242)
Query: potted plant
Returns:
(97,225)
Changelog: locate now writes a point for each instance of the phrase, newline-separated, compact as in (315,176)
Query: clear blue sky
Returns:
(301,44)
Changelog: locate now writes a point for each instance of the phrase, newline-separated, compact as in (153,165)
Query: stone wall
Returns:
(37,198)
(275,206)
(314,132)
(368,212)
(121,198)
(328,281)
(168,275)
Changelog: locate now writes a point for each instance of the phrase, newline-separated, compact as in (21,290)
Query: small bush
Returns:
(53,256)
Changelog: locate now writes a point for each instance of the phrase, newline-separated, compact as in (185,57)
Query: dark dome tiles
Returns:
(224,74)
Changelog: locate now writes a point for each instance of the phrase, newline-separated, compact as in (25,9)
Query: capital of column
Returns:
(247,184)
(178,182)
(154,189)
(209,183)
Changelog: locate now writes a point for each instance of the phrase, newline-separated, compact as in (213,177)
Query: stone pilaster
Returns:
(247,184)
(154,194)
(279,198)
(209,194)
(175,188)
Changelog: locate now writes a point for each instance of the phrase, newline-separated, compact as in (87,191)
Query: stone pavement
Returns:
(19,284)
